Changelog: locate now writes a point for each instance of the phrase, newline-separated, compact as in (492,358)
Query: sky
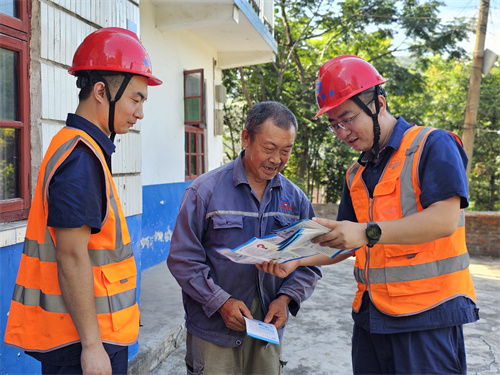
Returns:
(470,9)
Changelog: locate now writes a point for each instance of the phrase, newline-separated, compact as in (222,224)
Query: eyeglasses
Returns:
(335,128)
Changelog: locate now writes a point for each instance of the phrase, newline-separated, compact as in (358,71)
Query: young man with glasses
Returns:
(401,209)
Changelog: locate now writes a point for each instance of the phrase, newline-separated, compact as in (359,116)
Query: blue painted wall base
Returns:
(160,205)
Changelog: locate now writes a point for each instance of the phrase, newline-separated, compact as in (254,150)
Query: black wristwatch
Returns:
(373,233)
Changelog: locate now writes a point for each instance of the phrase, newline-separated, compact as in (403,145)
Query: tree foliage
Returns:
(427,86)
(484,182)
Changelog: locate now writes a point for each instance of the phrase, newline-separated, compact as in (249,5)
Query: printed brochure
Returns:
(263,331)
(288,243)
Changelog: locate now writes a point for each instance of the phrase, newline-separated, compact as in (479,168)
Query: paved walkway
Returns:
(318,340)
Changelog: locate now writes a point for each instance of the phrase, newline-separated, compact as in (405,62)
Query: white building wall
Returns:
(63,26)
(171,54)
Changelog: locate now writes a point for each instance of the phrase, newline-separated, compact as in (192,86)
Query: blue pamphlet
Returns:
(262,331)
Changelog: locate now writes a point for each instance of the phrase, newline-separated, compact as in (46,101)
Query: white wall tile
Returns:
(130,193)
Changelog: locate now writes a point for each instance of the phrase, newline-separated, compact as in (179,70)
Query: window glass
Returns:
(194,100)
(200,144)
(9,8)
(193,84)
(193,111)
(8,84)
(9,152)
(193,165)
(200,166)
(9,167)
(193,142)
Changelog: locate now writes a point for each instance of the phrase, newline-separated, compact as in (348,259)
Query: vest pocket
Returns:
(411,269)
(413,253)
(407,288)
(386,195)
(120,282)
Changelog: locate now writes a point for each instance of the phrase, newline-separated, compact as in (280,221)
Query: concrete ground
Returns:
(317,341)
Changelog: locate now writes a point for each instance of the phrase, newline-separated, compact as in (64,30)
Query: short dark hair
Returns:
(86,81)
(367,95)
(280,115)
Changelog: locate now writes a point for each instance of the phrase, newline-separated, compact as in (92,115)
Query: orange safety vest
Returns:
(38,319)
(406,279)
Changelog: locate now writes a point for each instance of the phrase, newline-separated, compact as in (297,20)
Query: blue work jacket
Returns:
(219,210)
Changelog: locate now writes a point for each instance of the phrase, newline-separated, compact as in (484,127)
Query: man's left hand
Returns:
(277,313)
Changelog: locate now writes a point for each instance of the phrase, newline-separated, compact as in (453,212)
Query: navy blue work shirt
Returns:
(442,176)
(77,191)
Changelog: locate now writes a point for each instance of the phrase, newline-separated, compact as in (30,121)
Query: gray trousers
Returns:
(254,357)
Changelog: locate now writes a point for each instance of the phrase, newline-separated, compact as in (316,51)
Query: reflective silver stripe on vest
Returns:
(414,272)
(249,214)
(461,219)
(54,303)
(359,275)
(352,173)
(408,201)
(51,163)
(46,252)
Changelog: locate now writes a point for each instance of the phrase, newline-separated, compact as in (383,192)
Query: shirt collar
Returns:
(80,123)
(240,176)
(394,142)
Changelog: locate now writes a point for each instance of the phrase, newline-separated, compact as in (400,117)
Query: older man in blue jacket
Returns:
(224,208)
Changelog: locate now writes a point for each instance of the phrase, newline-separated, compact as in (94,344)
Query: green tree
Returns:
(309,32)
(484,184)
(441,103)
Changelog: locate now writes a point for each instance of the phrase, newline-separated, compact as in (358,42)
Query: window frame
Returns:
(196,127)
(16,37)
(198,153)
(201,96)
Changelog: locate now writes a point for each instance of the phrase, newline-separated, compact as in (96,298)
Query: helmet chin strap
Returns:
(97,77)
(112,102)
(374,116)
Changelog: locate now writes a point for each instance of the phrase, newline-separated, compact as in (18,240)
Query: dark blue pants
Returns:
(436,351)
(66,360)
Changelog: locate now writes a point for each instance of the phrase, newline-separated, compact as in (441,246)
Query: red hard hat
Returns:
(341,78)
(114,49)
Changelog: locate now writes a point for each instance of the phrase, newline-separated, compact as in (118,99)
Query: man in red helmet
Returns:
(74,306)
(401,210)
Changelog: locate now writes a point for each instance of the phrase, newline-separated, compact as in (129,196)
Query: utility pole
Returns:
(475,83)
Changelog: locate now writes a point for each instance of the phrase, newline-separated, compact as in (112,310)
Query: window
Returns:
(14,111)
(194,123)
(193,97)
(195,153)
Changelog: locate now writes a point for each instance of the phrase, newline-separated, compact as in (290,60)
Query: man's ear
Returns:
(382,102)
(245,138)
(100,92)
